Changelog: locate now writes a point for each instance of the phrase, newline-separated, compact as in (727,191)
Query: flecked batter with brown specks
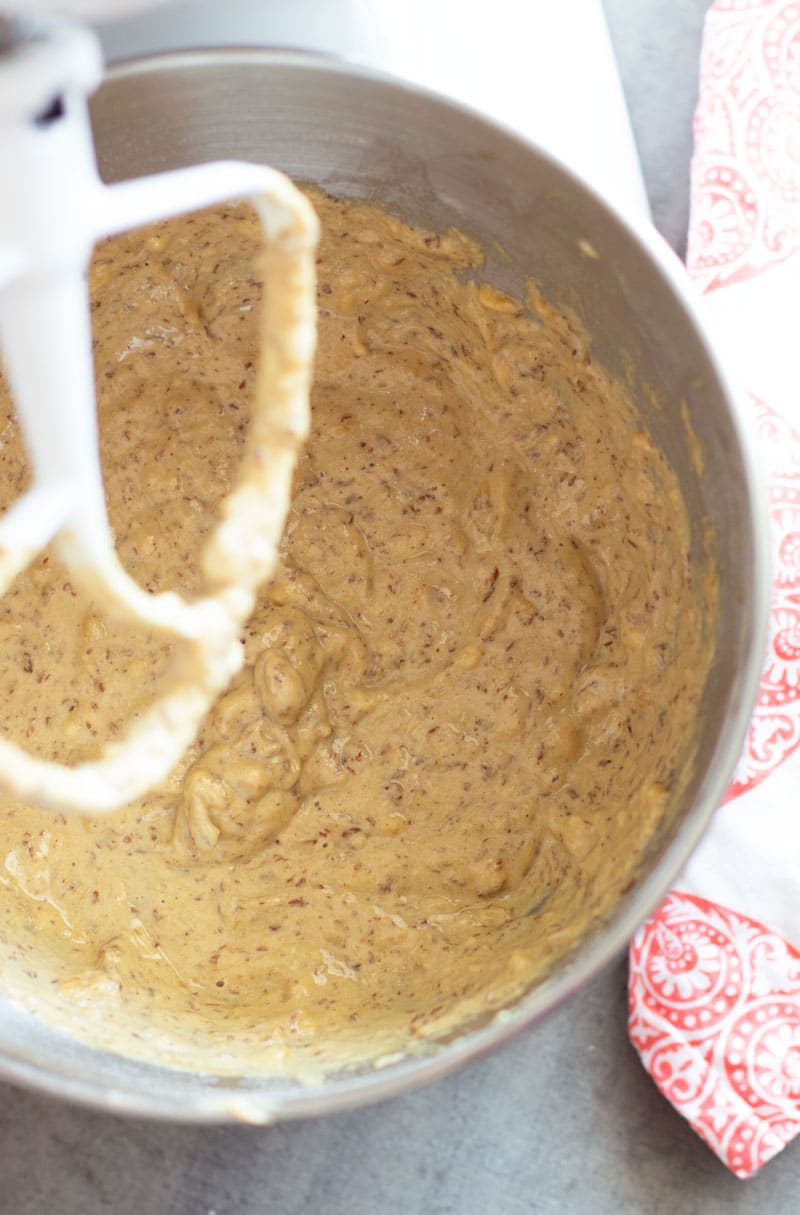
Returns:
(467,693)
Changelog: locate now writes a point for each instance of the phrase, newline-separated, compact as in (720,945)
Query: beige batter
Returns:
(467,694)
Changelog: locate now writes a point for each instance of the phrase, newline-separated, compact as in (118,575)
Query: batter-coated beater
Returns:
(53,208)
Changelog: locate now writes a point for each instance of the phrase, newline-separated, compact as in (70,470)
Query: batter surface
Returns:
(467,694)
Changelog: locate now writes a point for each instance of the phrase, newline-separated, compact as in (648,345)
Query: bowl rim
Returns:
(215,1100)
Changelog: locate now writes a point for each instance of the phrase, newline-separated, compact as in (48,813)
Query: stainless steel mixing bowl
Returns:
(356,133)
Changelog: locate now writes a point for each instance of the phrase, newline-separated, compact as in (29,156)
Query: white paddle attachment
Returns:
(53,209)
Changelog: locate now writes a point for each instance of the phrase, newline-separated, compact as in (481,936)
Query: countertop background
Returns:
(564,1121)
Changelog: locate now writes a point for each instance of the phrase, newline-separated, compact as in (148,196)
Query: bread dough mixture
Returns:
(467,696)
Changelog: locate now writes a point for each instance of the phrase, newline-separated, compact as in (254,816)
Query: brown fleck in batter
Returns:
(467,694)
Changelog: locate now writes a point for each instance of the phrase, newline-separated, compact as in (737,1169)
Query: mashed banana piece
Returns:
(466,696)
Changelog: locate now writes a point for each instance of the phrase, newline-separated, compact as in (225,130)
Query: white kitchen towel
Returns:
(715,973)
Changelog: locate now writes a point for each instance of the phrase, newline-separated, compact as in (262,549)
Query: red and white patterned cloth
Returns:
(715,973)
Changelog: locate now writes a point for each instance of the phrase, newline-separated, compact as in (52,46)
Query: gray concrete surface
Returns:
(657,47)
(564,1121)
